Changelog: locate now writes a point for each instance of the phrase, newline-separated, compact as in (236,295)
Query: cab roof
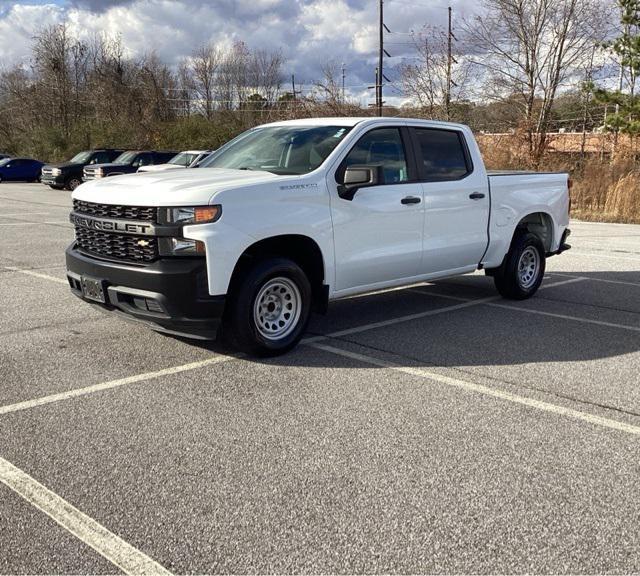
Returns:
(353,120)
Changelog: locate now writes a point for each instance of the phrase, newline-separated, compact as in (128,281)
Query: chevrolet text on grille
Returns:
(125,227)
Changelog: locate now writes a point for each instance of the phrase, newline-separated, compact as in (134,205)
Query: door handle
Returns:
(411,200)
(476,196)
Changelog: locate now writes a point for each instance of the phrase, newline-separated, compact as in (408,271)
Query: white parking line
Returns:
(398,320)
(22,214)
(605,255)
(36,274)
(567,317)
(486,390)
(129,559)
(606,280)
(465,303)
(74,393)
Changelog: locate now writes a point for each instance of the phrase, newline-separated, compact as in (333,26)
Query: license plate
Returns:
(92,289)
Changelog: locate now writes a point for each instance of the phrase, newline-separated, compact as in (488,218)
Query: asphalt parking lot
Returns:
(432,429)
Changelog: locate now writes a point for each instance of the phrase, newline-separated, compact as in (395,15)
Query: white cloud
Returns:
(308,32)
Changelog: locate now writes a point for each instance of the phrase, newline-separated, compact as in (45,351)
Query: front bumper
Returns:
(51,180)
(169,295)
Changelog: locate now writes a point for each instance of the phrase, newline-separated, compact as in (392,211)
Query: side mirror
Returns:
(356,177)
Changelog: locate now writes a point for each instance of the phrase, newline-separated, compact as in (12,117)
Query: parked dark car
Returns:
(25,169)
(69,174)
(127,163)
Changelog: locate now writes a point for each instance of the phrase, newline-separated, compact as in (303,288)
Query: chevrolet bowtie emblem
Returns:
(143,243)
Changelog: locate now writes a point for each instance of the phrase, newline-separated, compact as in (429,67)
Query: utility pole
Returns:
(294,92)
(450,61)
(614,148)
(379,73)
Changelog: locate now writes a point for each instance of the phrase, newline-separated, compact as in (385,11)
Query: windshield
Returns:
(82,156)
(183,159)
(279,149)
(125,158)
(4,161)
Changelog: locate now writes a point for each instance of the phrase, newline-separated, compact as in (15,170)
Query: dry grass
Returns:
(603,190)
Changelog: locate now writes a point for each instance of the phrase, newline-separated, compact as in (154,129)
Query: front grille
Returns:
(146,213)
(118,246)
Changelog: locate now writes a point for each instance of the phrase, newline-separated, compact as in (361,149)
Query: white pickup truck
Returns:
(291,215)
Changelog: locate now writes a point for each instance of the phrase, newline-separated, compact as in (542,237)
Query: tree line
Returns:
(529,67)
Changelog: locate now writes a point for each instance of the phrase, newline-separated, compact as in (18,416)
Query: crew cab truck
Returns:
(127,163)
(69,174)
(289,216)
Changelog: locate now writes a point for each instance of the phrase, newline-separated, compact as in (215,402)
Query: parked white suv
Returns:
(186,159)
(289,216)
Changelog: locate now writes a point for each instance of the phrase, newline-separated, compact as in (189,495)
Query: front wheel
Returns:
(73,183)
(522,271)
(271,309)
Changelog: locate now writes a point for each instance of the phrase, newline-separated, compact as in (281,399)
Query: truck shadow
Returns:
(439,324)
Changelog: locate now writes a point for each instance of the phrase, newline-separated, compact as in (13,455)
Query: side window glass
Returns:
(101,158)
(143,160)
(381,147)
(442,155)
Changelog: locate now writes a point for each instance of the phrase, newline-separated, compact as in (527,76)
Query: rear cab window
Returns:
(442,154)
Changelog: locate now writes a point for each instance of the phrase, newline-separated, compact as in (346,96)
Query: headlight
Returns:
(194,215)
(98,173)
(56,171)
(180,247)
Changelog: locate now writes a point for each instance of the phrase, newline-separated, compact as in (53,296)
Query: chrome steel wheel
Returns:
(277,308)
(528,267)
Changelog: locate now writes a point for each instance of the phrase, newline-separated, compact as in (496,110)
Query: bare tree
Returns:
(60,62)
(265,74)
(205,62)
(426,80)
(530,49)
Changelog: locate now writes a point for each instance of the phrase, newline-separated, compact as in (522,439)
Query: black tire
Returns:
(241,329)
(73,183)
(510,281)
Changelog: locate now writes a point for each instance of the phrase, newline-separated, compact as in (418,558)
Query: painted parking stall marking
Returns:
(129,559)
(485,390)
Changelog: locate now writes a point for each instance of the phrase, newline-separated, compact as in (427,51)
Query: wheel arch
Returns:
(303,250)
(539,223)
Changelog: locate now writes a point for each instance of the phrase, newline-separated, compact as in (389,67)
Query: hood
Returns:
(159,167)
(107,165)
(64,165)
(169,187)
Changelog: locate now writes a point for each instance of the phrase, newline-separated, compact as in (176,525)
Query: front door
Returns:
(378,234)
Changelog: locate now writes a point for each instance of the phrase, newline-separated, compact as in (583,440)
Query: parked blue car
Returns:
(25,169)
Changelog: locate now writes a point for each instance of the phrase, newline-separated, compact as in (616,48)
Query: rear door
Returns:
(378,234)
(456,199)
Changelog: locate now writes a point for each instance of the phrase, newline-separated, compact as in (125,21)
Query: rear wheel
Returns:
(73,183)
(522,271)
(271,309)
